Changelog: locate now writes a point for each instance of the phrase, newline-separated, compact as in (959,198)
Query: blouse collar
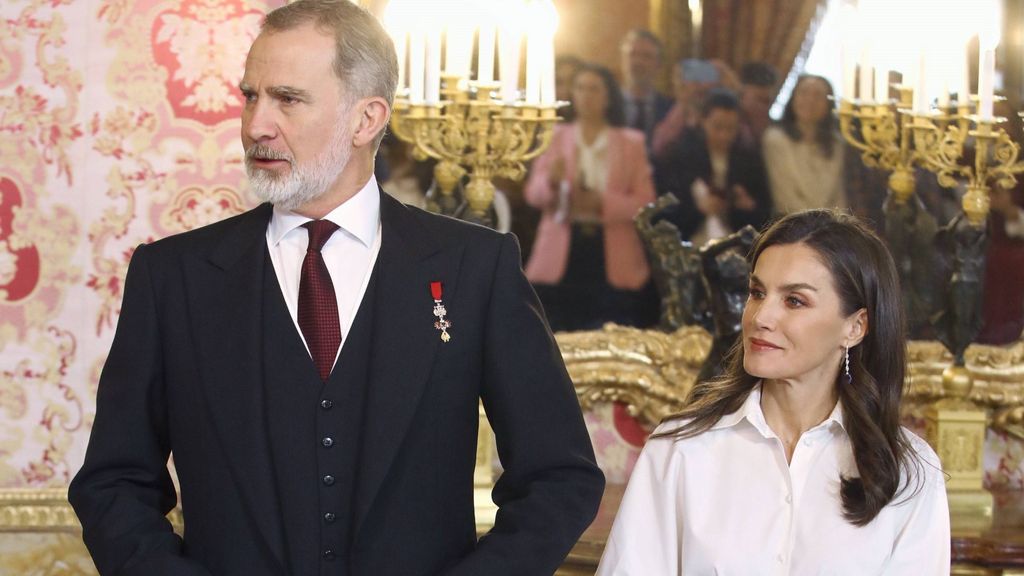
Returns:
(752,413)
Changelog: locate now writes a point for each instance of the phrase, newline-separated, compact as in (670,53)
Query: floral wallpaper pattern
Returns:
(118,125)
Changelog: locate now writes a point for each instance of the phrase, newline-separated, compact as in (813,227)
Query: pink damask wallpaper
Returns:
(118,125)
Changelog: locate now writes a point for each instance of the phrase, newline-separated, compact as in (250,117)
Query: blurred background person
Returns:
(757,93)
(587,263)
(691,80)
(719,181)
(1003,305)
(645,107)
(566,67)
(804,152)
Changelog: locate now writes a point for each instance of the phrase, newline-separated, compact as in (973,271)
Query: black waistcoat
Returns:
(315,432)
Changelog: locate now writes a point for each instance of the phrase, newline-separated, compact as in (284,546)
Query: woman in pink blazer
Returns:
(587,263)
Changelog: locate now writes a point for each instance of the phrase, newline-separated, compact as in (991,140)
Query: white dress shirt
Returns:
(725,502)
(349,253)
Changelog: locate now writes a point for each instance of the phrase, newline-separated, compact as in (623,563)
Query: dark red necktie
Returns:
(318,306)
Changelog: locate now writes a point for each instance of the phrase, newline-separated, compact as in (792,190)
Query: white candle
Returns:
(397,25)
(534,56)
(433,88)
(400,43)
(485,54)
(510,40)
(417,61)
(547,80)
(964,96)
(849,73)
(849,40)
(986,81)
(944,95)
(865,92)
(921,101)
(881,85)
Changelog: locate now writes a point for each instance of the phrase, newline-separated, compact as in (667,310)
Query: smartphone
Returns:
(696,70)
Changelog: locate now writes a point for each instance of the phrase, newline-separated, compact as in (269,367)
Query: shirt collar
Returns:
(359,216)
(752,413)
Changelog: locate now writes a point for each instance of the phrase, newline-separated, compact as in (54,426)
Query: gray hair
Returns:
(364,59)
(642,34)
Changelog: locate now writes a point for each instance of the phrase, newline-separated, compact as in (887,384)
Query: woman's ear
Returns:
(856,327)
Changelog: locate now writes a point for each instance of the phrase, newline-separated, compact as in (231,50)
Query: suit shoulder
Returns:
(210,234)
(453,230)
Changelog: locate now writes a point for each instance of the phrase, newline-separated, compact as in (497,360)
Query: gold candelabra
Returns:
(894,138)
(472,132)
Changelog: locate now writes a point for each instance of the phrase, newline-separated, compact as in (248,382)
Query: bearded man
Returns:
(315,365)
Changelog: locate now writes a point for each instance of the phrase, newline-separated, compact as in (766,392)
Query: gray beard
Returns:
(303,183)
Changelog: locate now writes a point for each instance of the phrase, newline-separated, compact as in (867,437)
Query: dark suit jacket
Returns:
(184,377)
(661,106)
(689,160)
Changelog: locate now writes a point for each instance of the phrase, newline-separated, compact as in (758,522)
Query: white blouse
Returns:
(592,160)
(725,502)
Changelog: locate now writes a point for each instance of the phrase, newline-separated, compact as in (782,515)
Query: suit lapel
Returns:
(404,341)
(226,303)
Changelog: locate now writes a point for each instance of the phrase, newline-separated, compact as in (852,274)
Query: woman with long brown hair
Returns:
(804,151)
(794,460)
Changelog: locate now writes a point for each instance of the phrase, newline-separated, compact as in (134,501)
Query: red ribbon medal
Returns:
(442,323)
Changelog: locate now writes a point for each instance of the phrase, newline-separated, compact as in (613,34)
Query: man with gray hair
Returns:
(315,365)
(642,57)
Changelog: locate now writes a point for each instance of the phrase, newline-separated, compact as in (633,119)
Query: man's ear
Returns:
(857,327)
(374,113)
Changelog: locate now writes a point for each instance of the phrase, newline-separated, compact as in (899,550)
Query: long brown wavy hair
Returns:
(827,128)
(864,276)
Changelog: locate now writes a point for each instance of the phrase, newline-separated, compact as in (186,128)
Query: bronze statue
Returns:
(675,268)
(910,232)
(960,254)
(727,281)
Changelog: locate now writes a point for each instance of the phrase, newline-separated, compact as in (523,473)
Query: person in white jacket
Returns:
(794,461)
(803,153)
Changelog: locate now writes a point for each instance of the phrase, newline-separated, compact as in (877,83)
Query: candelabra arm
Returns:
(847,116)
